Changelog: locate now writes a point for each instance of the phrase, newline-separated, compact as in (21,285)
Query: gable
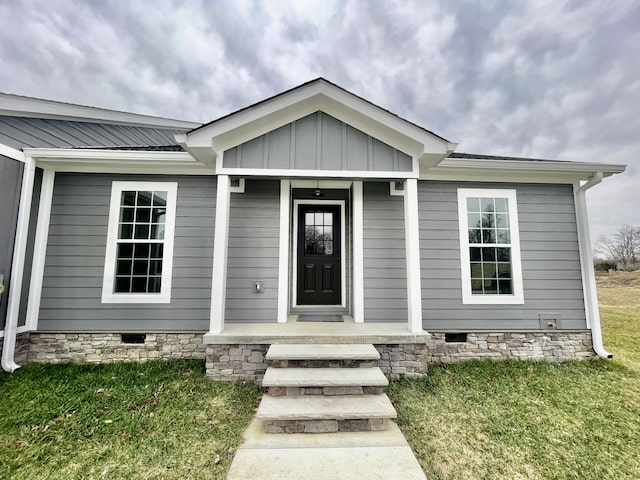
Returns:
(317,142)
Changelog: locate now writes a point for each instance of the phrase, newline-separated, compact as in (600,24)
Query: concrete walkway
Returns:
(327,456)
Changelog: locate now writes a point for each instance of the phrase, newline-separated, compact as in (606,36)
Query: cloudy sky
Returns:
(546,78)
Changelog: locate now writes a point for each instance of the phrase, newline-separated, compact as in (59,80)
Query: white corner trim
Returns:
(12,153)
(516,264)
(358,252)
(412,243)
(220,244)
(343,227)
(17,266)
(108,295)
(283,252)
(394,191)
(40,248)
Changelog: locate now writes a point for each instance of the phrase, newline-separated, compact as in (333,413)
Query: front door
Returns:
(319,265)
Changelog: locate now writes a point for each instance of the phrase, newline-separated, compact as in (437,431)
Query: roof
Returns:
(20,132)
(29,107)
(306,84)
(477,156)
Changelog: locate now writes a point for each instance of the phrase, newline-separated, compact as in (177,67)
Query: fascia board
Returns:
(16,105)
(540,166)
(67,154)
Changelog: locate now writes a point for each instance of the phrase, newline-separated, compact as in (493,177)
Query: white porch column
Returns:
(40,248)
(17,266)
(412,239)
(283,264)
(220,243)
(358,253)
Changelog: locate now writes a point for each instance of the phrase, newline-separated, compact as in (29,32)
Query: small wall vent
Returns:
(135,338)
(455,337)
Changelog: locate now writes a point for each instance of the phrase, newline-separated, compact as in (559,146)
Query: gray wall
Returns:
(10,182)
(385,266)
(550,260)
(72,286)
(317,142)
(254,233)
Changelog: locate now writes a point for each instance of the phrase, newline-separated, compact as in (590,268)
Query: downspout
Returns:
(586,265)
(17,267)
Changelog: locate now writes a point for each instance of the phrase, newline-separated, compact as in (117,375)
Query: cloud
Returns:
(551,79)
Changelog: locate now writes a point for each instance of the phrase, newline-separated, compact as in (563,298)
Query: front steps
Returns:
(324,388)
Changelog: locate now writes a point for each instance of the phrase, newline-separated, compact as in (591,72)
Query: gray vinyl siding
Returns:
(385,266)
(552,280)
(317,142)
(10,181)
(72,285)
(18,132)
(254,236)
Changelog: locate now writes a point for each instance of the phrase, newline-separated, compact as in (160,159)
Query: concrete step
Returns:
(322,351)
(324,377)
(319,407)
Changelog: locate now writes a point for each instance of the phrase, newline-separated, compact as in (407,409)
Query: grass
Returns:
(152,420)
(534,420)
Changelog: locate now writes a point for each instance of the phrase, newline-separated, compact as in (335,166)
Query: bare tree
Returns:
(623,247)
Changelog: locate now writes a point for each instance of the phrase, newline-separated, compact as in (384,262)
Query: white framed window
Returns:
(139,255)
(489,246)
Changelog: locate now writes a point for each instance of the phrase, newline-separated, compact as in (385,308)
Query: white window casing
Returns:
(468,297)
(108,286)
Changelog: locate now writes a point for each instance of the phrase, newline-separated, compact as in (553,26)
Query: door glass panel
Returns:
(318,233)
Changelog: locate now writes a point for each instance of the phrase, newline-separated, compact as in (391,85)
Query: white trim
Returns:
(7,151)
(592,309)
(291,172)
(19,330)
(393,191)
(412,242)
(239,188)
(40,248)
(337,184)
(529,165)
(516,264)
(21,106)
(106,154)
(283,259)
(358,252)
(220,244)
(343,266)
(108,295)
(17,266)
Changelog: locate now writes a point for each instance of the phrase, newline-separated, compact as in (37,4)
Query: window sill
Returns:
(485,300)
(124,298)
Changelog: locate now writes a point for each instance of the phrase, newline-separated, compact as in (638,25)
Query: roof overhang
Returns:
(86,160)
(535,171)
(206,143)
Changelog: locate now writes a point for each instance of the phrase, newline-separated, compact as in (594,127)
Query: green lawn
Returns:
(488,420)
(153,420)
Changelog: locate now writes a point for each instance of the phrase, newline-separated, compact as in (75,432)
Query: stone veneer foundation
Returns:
(247,361)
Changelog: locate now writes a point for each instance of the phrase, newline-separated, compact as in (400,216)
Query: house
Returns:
(141,237)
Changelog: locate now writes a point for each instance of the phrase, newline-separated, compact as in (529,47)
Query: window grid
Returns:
(140,243)
(318,233)
(489,246)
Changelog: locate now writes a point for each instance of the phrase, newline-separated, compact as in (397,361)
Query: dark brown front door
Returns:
(319,266)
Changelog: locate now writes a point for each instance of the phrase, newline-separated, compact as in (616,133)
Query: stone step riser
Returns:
(326,426)
(328,391)
(323,363)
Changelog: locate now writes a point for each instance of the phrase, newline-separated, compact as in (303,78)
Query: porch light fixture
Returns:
(317,192)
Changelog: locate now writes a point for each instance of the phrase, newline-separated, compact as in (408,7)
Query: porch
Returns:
(294,331)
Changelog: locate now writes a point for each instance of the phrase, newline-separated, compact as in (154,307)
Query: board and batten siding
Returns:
(72,284)
(254,233)
(552,279)
(317,142)
(385,266)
